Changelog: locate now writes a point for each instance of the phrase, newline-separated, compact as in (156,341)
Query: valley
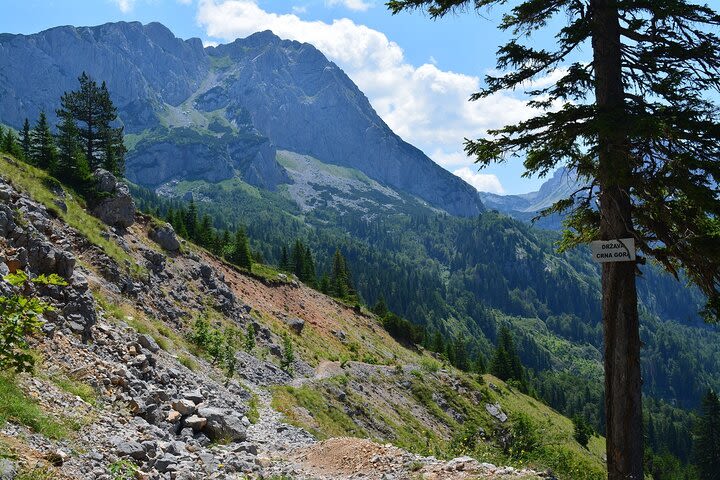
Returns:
(286,289)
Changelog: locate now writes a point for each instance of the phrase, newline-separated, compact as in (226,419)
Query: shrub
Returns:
(288,354)
(583,430)
(525,437)
(20,320)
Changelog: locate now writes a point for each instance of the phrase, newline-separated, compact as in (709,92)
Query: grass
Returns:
(17,407)
(253,413)
(188,363)
(416,421)
(328,415)
(77,388)
(166,338)
(35,183)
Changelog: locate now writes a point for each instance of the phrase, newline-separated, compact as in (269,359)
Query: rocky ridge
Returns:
(220,112)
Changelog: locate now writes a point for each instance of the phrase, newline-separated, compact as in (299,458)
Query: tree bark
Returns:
(623,407)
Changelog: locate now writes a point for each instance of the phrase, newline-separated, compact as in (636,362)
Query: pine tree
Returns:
(325,284)
(480,365)
(42,147)
(190,220)
(340,278)
(205,231)
(72,165)
(506,364)
(639,124)
(286,362)
(380,308)
(91,107)
(297,260)
(26,140)
(284,260)
(241,255)
(10,144)
(707,438)
(309,275)
(111,138)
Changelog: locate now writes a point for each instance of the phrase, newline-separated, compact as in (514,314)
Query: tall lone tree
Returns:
(94,113)
(638,124)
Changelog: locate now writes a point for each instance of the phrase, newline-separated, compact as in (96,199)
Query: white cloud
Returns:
(299,9)
(483,182)
(357,5)
(125,5)
(425,105)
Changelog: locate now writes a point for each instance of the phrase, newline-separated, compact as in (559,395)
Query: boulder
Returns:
(184,406)
(196,423)
(148,343)
(222,426)
(164,235)
(131,449)
(296,324)
(496,411)
(195,395)
(115,205)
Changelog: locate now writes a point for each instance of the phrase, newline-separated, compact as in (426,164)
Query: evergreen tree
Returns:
(241,255)
(10,144)
(297,260)
(205,231)
(380,308)
(26,140)
(286,361)
(72,165)
(639,124)
(308,268)
(461,356)
(111,138)
(190,220)
(340,279)
(91,107)
(325,284)
(42,147)
(707,438)
(284,260)
(480,365)
(506,364)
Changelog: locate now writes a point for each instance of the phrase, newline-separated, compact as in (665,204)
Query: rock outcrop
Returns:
(164,235)
(115,206)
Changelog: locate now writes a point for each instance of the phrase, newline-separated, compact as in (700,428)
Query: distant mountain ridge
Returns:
(527,206)
(214,113)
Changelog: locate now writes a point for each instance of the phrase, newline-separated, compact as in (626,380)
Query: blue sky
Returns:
(417,73)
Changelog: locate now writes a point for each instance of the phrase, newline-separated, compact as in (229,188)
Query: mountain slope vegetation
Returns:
(146,375)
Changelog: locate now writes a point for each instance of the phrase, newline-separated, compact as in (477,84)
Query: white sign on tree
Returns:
(620,250)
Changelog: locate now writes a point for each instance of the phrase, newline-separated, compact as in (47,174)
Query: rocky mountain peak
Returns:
(231,106)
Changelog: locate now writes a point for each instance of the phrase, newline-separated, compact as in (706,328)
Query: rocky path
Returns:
(273,437)
(285,450)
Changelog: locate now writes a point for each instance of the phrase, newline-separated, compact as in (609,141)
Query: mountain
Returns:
(219,112)
(210,135)
(527,206)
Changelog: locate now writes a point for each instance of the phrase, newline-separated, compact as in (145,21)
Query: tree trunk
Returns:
(623,408)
